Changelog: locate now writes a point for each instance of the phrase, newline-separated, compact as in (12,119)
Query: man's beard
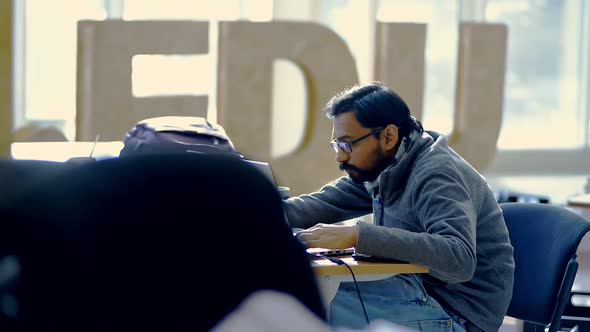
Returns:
(360,175)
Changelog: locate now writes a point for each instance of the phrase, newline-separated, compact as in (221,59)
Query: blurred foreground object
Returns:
(130,244)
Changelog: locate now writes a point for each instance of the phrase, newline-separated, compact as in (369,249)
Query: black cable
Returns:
(358,291)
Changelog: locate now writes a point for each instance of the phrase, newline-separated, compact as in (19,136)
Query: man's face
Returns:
(366,160)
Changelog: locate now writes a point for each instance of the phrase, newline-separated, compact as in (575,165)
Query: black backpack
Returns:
(176,134)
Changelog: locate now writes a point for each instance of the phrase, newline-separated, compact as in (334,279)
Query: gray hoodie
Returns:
(430,207)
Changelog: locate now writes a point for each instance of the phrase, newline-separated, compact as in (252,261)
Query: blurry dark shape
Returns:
(9,270)
(509,196)
(176,134)
(34,133)
(21,177)
(545,239)
(166,242)
(9,274)
(8,306)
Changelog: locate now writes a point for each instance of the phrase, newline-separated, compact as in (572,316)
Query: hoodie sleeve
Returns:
(341,200)
(443,205)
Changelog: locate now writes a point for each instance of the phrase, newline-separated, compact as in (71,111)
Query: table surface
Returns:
(323,267)
(62,151)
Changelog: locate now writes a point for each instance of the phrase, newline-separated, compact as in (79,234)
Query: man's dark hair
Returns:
(375,106)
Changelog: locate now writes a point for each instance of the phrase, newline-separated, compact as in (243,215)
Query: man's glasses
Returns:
(346,147)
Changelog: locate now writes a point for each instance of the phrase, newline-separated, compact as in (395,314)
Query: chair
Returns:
(166,242)
(545,239)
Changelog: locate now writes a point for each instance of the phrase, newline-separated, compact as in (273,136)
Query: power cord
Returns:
(358,291)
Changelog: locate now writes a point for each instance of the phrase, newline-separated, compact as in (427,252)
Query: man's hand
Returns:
(329,236)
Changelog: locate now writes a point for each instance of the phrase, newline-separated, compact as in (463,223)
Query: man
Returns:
(430,207)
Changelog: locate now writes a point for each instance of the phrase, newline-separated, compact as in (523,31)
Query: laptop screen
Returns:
(264,168)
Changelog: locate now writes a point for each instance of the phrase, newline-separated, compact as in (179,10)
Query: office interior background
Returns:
(545,131)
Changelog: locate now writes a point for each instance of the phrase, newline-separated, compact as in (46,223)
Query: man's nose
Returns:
(341,156)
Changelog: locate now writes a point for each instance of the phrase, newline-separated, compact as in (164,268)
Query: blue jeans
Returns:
(400,299)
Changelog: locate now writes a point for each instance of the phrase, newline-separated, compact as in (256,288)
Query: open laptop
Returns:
(325,251)
(265,169)
(330,252)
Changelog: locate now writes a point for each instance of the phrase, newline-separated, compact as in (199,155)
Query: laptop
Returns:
(330,252)
(265,169)
(325,251)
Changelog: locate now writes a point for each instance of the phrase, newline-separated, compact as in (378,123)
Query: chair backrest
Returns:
(167,242)
(545,239)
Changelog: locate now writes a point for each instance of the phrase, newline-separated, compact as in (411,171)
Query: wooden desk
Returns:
(323,268)
(62,151)
(330,275)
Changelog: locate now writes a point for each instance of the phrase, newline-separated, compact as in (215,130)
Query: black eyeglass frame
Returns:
(346,147)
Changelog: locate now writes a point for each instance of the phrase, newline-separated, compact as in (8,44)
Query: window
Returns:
(338,15)
(442,19)
(182,9)
(49,80)
(543,108)
(544,136)
(49,31)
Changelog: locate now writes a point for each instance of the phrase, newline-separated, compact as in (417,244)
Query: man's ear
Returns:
(390,136)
